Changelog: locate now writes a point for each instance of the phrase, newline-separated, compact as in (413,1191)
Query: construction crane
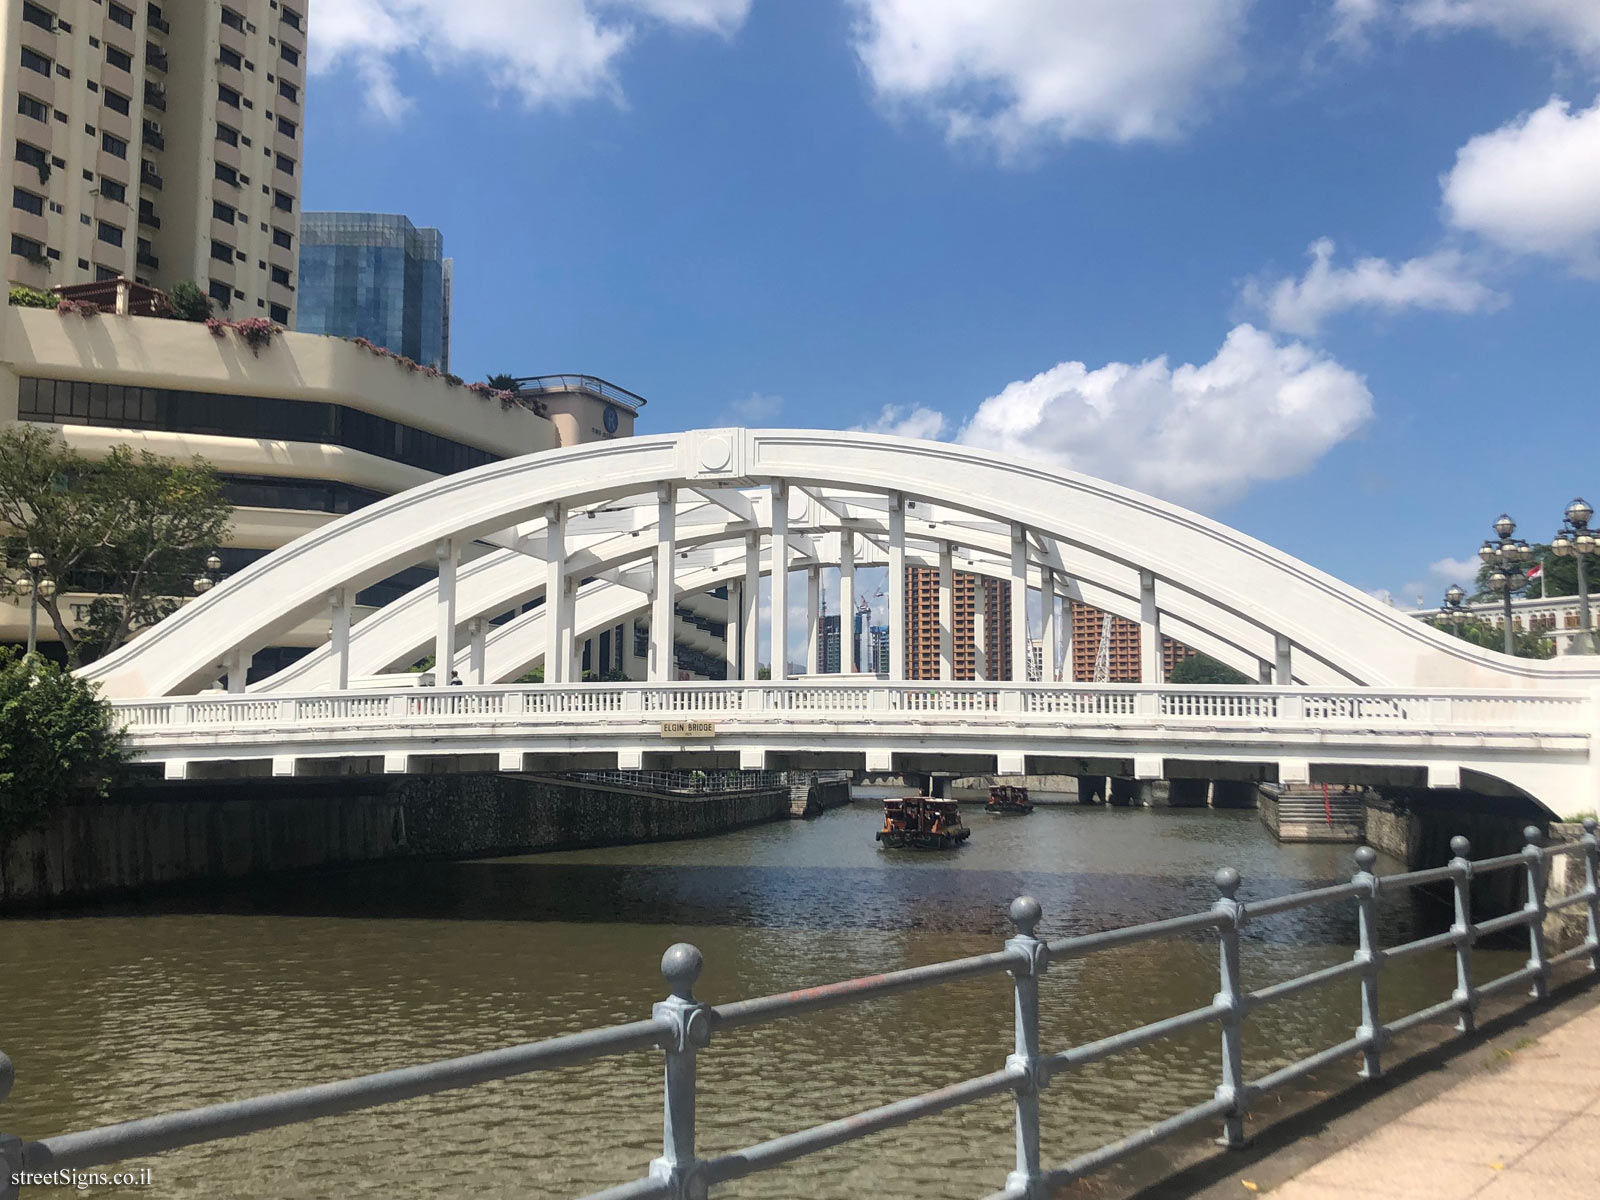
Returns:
(1102,656)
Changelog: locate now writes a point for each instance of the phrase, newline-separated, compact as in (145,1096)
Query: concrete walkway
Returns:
(1526,1129)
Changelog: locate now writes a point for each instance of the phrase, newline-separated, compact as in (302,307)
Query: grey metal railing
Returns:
(692,783)
(682,1025)
(572,382)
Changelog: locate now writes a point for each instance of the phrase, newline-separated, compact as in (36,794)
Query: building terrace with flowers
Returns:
(301,427)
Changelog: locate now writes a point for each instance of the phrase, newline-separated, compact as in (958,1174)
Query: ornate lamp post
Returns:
(1506,556)
(34,584)
(1454,608)
(1576,540)
(204,583)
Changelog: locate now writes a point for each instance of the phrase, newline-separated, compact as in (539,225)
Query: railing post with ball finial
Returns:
(1031,956)
(1535,909)
(1591,871)
(1371,959)
(691,1029)
(1461,883)
(1230,996)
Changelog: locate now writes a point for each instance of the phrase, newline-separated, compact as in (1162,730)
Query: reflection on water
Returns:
(119,1012)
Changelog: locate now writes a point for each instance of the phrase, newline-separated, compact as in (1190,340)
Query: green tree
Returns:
(1202,668)
(27,297)
(502,382)
(189,303)
(1559,576)
(58,740)
(131,529)
(1492,637)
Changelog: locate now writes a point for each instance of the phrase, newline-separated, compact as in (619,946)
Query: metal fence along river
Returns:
(682,1026)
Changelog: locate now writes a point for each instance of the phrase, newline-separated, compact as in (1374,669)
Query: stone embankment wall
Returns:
(206,830)
(1568,876)
(1417,829)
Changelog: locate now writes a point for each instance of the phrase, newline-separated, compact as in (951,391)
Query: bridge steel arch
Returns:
(596,526)
(1214,576)
(403,631)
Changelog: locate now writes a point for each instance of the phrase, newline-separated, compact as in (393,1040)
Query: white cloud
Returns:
(1443,281)
(1454,570)
(1533,185)
(1572,25)
(1441,574)
(917,422)
(1351,19)
(541,51)
(1199,435)
(1013,72)
(756,409)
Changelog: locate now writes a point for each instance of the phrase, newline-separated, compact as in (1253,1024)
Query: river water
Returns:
(116,1012)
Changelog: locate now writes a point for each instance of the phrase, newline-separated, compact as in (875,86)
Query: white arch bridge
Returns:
(536,554)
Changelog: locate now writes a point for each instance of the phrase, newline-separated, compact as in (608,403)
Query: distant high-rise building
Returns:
(376,276)
(157,142)
(878,650)
(1123,650)
(858,628)
(969,592)
(828,648)
(1036,656)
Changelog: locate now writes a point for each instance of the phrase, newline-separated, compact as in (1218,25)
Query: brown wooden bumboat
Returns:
(922,823)
(1008,798)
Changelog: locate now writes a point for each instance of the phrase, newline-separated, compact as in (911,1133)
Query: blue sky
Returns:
(1327,271)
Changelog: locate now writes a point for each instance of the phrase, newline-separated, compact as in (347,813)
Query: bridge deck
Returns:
(1530,1128)
(1537,741)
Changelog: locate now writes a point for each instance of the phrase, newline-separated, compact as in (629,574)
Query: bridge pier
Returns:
(929,784)
(1092,789)
(1126,792)
(1234,793)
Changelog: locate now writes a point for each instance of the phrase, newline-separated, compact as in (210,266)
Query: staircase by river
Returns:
(812,793)
(1308,813)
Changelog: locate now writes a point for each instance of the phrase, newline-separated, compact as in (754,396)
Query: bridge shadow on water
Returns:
(816,898)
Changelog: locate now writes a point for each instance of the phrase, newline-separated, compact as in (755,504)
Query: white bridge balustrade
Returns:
(1540,743)
(542,555)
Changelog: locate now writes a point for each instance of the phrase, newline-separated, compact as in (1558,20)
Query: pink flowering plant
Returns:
(255,332)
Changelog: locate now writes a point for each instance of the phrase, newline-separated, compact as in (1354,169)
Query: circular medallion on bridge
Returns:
(609,420)
(715,454)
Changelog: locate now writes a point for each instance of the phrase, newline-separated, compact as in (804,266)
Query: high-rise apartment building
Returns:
(158,142)
(878,654)
(831,643)
(829,651)
(970,595)
(379,277)
(1122,650)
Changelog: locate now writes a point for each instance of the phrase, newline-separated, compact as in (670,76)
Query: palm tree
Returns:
(502,382)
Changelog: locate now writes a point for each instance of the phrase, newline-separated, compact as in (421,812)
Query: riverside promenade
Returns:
(1526,1126)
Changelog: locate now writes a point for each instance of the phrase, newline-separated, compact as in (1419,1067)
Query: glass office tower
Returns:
(377,276)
